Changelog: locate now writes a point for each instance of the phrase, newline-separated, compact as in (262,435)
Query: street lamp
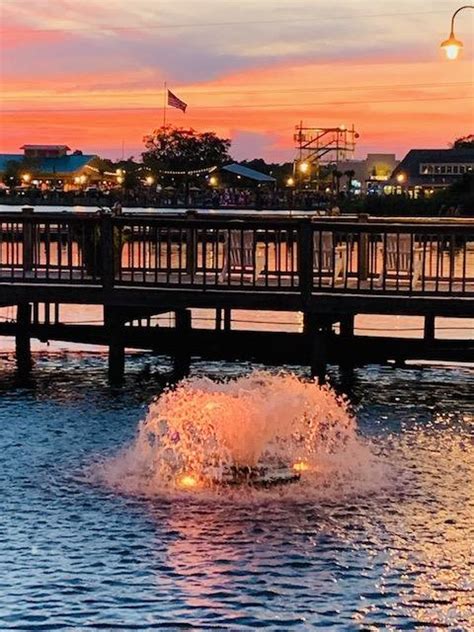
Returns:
(453,46)
(304,167)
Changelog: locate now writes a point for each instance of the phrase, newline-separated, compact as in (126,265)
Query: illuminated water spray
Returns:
(204,434)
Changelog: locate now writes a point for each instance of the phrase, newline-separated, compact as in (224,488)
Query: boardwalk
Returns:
(329,270)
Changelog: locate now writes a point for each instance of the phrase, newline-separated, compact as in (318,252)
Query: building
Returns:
(371,174)
(426,170)
(239,175)
(51,165)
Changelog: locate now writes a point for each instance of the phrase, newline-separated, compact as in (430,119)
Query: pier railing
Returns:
(252,254)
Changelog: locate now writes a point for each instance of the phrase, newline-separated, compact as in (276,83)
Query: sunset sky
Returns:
(90,73)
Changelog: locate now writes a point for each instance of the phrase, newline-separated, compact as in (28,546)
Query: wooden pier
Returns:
(330,270)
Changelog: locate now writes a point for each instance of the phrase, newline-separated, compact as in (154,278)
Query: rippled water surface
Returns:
(72,554)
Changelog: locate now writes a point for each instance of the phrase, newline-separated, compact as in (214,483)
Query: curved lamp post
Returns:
(453,46)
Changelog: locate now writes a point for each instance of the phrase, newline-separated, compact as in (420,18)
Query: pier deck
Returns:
(330,270)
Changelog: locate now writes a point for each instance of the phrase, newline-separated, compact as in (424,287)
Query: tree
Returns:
(464,142)
(337,175)
(279,171)
(14,169)
(350,173)
(12,173)
(177,149)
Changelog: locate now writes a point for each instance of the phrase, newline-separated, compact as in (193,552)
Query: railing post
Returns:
(107,249)
(28,238)
(305,259)
(363,251)
(191,245)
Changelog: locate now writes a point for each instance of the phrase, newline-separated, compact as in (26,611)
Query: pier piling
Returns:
(182,357)
(114,322)
(22,338)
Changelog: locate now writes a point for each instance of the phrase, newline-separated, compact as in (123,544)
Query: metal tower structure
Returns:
(322,145)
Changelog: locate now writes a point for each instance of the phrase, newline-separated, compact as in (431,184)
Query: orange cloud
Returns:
(394,105)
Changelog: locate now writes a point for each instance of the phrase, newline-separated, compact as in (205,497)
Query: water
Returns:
(80,555)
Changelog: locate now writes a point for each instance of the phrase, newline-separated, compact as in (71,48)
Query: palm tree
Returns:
(350,173)
(336,179)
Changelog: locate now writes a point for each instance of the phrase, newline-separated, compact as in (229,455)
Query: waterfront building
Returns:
(423,171)
(48,166)
(370,174)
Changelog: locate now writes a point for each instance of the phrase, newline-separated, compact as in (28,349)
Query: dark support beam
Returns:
(347,326)
(347,360)
(319,353)
(47,313)
(113,321)
(182,356)
(363,250)
(227,319)
(218,319)
(317,330)
(28,238)
(22,338)
(429,331)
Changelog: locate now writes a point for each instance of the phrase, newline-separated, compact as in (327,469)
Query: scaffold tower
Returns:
(323,145)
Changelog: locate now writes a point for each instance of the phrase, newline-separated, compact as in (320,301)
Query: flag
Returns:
(174,102)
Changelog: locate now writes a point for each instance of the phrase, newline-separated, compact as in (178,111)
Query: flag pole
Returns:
(165,103)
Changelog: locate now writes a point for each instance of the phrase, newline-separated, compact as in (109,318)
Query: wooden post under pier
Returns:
(113,321)
(317,329)
(429,329)
(182,357)
(22,338)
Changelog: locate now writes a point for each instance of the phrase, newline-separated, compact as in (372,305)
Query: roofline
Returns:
(45,147)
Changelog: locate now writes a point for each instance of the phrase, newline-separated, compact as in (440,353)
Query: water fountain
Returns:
(261,430)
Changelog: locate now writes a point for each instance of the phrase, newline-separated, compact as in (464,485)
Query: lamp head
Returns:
(452,46)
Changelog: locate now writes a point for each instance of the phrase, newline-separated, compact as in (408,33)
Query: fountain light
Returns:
(301,466)
(452,46)
(187,481)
